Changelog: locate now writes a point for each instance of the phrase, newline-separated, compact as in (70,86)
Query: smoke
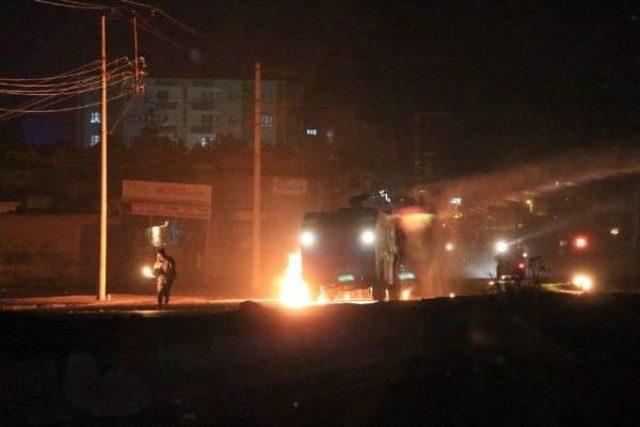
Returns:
(530,180)
(514,183)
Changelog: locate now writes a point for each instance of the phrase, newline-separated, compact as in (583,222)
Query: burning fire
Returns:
(406,294)
(294,292)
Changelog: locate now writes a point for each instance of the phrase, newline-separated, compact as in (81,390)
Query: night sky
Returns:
(577,61)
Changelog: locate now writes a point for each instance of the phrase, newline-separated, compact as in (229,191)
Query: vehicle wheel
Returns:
(396,286)
(378,290)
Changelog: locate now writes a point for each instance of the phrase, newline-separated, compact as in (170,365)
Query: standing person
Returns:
(165,272)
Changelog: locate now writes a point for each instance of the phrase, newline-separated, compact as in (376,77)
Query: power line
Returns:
(78,87)
(79,107)
(46,102)
(123,112)
(162,13)
(37,81)
(73,72)
(66,88)
(150,29)
(73,5)
(86,4)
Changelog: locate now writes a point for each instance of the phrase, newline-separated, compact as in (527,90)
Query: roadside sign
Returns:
(290,186)
(170,210)
(166,192)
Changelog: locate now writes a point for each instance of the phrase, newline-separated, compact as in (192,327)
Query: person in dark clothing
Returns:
(165,272)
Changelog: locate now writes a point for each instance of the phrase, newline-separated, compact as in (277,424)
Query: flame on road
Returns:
(322,299)
(294,292)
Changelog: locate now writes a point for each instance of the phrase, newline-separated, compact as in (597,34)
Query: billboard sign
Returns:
(166,193)
(170,210)
(289,186)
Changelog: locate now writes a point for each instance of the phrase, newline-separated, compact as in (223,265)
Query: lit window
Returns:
(94,140)
(206,141)
(266,120)
(312,132)
(95,117)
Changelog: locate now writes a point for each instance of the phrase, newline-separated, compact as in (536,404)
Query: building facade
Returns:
(199,112)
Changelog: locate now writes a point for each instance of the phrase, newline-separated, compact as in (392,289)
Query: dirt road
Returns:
(543,359)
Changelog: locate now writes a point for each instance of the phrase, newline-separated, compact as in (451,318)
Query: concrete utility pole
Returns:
(134,24)
(256,270)
(102,293)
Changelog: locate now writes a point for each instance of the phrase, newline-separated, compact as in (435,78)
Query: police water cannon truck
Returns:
(357,248)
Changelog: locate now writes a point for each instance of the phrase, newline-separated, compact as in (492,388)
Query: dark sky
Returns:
(383,59)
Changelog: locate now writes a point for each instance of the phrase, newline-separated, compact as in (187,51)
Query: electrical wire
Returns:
(68,82)
(122,113)
(73,72)
(78,107)
(162,13)
(46,102)
(37,103)
(86,87)
(86,83)
(150,29)
(72,6)
(87,4)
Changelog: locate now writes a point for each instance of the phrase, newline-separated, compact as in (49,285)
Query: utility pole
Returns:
(134,22)
(138,70)
(256,270)
(102,294)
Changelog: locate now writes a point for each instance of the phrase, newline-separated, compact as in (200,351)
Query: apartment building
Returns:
(200,112)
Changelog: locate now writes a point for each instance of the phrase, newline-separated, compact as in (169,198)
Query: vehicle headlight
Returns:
(501,246)
(367,237)
(307,238)
(582,281)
